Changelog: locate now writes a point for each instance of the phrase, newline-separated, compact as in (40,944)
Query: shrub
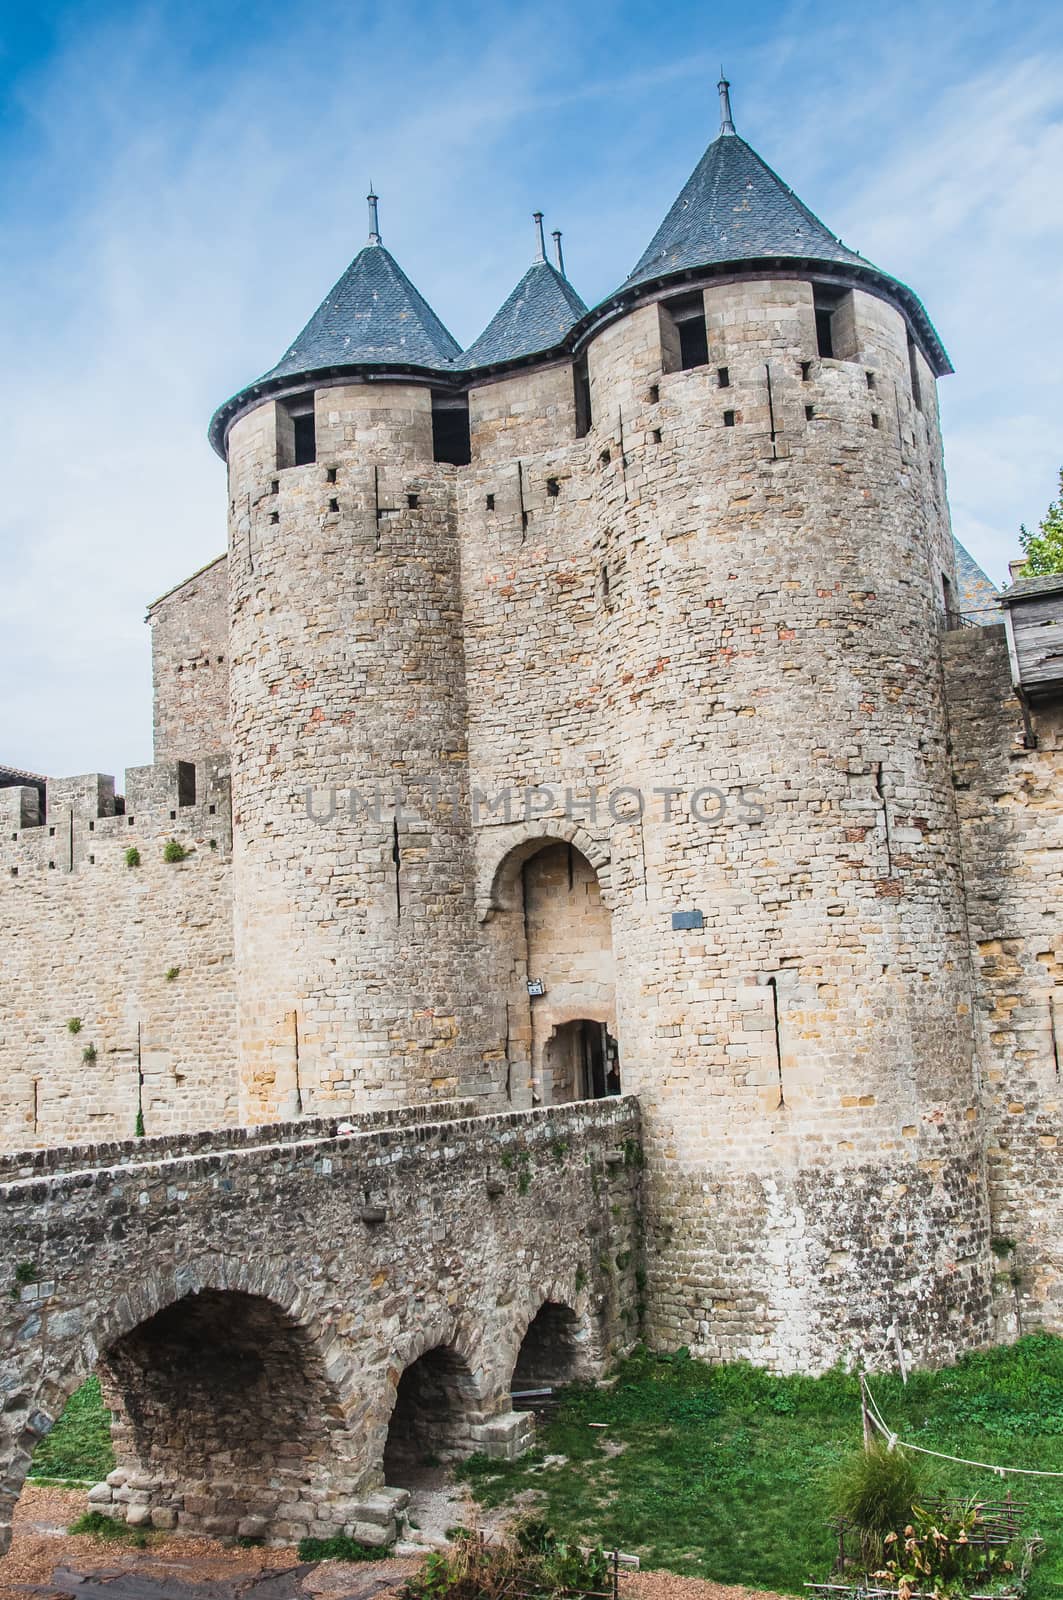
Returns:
(138,1129)
(132,856)
(74,1025)
(172,973)
(338,1548)
(89,1054)
(874,1492)
(940,1554)
(173,851)
(531,1561)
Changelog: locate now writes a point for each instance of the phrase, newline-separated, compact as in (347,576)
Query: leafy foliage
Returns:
(338,1548)
(78,1448)
(173,850)
(1044,549)
(939,1555)
(132,856)
(532,1561)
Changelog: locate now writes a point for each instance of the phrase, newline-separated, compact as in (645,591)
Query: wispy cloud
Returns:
(179,186)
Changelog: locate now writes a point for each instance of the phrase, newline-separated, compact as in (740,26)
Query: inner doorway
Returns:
(582,1059)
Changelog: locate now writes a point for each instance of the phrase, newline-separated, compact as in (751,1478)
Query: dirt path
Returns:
(41,1547)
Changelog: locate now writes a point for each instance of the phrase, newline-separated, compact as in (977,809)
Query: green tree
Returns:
(1044,549)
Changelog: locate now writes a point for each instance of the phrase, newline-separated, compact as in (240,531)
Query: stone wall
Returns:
(733,583)
(190,665)
(139,957)
(1010,797)
(254,1309)
(355,930)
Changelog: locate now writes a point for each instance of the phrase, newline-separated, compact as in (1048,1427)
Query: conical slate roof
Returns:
(537,315)
(733,207)
(373,314)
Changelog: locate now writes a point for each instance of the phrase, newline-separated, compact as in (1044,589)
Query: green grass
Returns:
(100,1526)
(337,1548)
(78,1448)
(727,1472)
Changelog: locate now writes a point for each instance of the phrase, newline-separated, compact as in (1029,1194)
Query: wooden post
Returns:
(865,1416)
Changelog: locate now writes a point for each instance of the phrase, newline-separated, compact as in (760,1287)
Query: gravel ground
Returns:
(41,1543)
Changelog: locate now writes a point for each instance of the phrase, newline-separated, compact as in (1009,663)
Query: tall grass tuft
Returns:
(874,1490)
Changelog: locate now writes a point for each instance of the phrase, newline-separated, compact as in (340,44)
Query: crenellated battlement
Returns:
(86,824)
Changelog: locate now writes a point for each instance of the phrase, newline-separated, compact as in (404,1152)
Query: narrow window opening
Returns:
(274,487)
(824,340)
(274,516)
(413,501)
(605,458)
(330,475)
(836,332)
(728,419)
(693,344)
(684,335)
(806,371)
(655,394)
(92,861)
(876,420)
(490,502)
(450,429)
(305,434)
(14,872)
(951,616)
(581,384)
(810,412)
(656,435)
(92,827)
(334,505)
(913,368)
(553,488)
(723,378)
(870,376)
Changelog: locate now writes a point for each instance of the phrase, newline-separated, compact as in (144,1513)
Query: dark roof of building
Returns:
(734,210)
(733,207)
(1027,588)
(536,317)
(373,314)
(978,597)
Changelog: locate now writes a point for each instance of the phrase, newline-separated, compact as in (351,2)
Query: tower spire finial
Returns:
(540,241)
(374,221)
(726,120)
(556,237)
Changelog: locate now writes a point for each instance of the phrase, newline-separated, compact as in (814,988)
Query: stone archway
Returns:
(551,925)
(437,1408)
(174,1333)
(225,1420)
(557,1348)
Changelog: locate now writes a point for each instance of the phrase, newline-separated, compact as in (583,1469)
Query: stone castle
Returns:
(591,713)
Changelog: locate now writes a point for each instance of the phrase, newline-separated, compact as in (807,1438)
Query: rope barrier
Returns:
(893,1440)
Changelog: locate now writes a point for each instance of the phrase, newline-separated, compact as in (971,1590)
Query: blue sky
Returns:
(180,184)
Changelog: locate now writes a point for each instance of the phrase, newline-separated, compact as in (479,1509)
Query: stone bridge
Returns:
(285,1321)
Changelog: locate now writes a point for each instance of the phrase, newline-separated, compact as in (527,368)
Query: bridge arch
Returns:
(556,1341)
(437,1404)
(228,1407)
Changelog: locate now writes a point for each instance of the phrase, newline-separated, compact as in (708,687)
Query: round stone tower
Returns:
(352,867)
(732,565)
(792,960)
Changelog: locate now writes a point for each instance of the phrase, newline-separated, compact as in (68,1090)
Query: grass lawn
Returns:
(78,1449)
(725,1471)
